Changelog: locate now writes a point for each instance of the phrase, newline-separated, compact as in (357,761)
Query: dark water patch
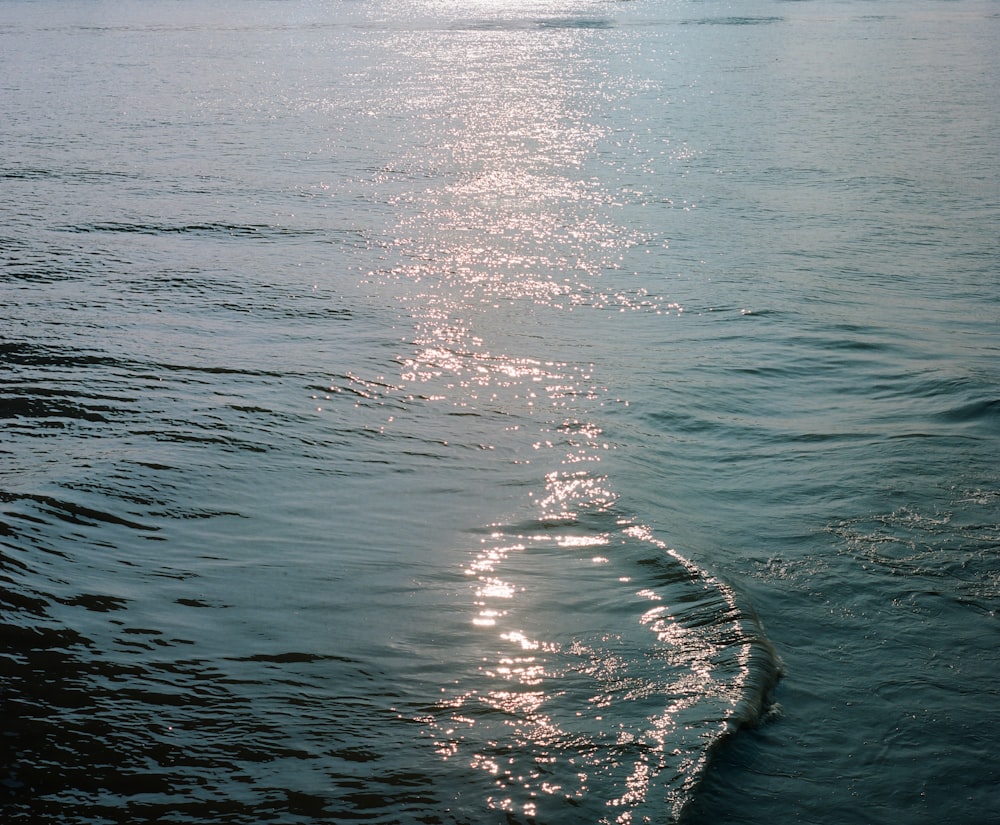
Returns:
(95,603)
(923,385)
(193,513)
(16,408)
(195,284)
(678,421)
(47,259)
(291,658)
(74,513)
(33,273)
(64,174)
(121,484)
(199,369)
(11,599)
(733,21)
(292,313)
(227,443)
(576,23)
(36,354)
(519,24)
(53,406)
(200,293)
(251,410)
(240,232)
(23,642)
(974,412)
(193,603)
(153,465)
(28,174)
(30,520)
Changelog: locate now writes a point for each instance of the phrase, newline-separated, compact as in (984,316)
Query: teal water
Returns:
(499,412)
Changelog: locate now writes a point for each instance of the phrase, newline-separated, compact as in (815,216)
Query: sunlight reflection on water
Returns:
(554,706)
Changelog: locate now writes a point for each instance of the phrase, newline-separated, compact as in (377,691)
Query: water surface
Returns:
(464,412)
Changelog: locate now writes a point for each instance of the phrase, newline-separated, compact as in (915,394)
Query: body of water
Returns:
(425,411)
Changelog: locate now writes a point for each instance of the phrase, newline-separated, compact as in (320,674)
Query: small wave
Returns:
(623,717)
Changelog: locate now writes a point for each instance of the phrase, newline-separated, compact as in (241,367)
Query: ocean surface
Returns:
(499,411)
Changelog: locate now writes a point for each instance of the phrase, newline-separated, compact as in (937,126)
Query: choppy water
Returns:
(465,412)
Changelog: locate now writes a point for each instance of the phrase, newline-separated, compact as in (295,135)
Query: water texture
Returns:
(514,412)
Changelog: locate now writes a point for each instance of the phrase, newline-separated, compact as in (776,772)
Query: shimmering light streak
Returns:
(553,708)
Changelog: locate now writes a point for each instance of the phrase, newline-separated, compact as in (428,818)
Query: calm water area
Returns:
(554,412)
